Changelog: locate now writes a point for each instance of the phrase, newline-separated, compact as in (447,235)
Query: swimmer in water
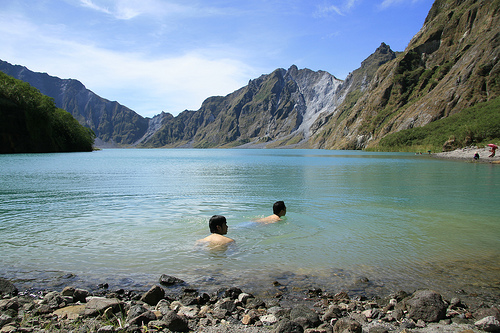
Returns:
(279,210)
(218,228)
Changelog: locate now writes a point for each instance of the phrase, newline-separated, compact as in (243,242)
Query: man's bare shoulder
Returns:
(269,219)
(216,239)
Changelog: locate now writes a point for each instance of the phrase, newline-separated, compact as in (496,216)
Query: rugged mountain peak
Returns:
(381,55)
(452,63)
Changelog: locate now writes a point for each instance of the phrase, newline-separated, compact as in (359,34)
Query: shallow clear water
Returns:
(128,216)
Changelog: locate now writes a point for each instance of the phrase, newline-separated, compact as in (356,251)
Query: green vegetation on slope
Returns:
(477,125)
(31,123)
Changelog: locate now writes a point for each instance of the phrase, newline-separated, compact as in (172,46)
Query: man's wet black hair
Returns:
(216,220)
(278,207)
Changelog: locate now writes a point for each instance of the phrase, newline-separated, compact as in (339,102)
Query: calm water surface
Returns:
(125,217)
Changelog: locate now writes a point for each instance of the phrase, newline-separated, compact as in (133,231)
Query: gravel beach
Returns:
(467,154)
(230,309)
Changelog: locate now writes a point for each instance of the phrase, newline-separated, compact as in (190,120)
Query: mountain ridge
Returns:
(113,123)
(449,65)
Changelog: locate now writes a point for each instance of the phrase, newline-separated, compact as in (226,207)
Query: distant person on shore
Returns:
(218,228)
(476,156)
(279,210)
(492,152)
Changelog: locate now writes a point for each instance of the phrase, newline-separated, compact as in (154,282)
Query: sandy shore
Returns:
(467,154)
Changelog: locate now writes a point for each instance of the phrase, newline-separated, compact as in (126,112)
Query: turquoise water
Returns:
(127,216)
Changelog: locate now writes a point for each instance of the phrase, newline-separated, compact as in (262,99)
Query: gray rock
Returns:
(346,325)
(163,306)
(487,312)
(268,319)
(153,295)
(168,280)
(310,316)
(5,319)
(426,305)
(175,322)
(7,288)
(189,312)
(288,326)
(488,324)
(80,295)
(333,312)
(232,292)
(139,315)
(279,312)
(68,291)
(244,297)
(97,306)
(227,304)
(255,303)
(10,305)
(54,300)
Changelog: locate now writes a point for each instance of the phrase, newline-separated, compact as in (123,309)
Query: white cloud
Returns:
(326,9)
(146,85)
(90,4)
(129,9)
(389,3)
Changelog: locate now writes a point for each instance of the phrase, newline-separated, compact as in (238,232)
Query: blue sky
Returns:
(170,55)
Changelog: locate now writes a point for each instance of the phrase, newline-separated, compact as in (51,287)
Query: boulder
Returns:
(163,306)
(168,280)
(268,319)
(244,297)
(176,323)
(139,315)
(153,295)
(347,325)
(232,292)
(7,288)
(68,291)
(426,305)
(226,304)
(80,295)
(54,300)
(5,319)
(10,305)
(97,305)
(488,324)
(487,312)
(288,326)
(71,312)
(189,312)
(310,316)
(333,312)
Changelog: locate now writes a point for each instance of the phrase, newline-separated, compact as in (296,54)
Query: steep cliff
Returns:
(113,123)
(452,63)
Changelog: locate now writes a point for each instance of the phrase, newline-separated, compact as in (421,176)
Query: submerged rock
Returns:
(426,305)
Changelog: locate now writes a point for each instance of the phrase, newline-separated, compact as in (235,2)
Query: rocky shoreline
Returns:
(467,154)
(172,306)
